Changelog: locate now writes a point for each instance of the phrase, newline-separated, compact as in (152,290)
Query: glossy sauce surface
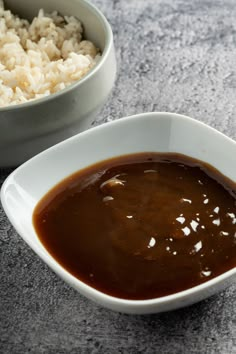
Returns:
(141,226)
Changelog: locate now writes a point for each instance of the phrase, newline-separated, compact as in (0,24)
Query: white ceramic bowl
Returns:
(156,132)
(28,128)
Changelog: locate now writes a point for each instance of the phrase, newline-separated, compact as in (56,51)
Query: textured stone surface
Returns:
(173,55)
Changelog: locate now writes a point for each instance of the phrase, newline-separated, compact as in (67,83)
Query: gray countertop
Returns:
(173,55)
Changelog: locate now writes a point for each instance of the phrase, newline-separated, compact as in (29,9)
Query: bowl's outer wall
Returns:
(29,129)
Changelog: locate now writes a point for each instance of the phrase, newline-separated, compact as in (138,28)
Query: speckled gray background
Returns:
(173,55)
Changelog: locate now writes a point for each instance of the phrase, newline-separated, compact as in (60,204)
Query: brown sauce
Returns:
(141,226)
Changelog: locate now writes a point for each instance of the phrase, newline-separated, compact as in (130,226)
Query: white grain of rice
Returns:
(41,57)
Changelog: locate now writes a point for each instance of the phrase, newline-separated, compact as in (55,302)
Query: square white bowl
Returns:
(148,132)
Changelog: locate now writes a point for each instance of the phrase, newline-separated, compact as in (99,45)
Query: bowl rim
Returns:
(108,45)
(89,291)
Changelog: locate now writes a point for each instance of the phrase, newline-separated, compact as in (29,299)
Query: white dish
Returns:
(157,132)
(29,128)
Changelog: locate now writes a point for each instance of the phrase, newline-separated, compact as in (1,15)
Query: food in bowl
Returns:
(155,132)
(42,57)
(141,226)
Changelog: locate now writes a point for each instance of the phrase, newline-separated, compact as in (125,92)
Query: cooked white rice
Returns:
(41,57)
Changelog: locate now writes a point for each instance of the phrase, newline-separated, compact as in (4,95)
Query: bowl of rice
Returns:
(57,68)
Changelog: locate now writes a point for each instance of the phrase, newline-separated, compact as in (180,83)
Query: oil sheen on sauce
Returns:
(141,226)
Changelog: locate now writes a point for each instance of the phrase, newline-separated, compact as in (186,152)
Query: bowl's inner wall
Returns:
(94,27)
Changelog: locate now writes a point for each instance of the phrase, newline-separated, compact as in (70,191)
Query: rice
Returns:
(42,57)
